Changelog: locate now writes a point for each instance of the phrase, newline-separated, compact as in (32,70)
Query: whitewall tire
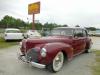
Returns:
(57,62)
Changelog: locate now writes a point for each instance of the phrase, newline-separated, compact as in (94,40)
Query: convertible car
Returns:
(50,52)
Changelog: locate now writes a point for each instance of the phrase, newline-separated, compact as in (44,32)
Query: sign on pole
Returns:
(34,8)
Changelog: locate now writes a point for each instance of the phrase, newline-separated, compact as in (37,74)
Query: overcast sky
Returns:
(70,12)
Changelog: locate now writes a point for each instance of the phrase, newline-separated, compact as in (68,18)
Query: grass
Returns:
(4,44)
(96,66)
(1,30)
(97,53)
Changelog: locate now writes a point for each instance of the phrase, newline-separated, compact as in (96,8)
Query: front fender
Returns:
(53,49)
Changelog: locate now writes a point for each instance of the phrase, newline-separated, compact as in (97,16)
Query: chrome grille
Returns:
(32,55)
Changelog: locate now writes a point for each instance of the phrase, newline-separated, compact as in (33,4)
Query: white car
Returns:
(32,34)
(13,34)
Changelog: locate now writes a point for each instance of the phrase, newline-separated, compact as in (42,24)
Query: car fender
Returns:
(54,48)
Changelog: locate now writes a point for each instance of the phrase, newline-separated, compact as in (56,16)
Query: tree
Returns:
(91,28)
(10,22)
(38,26)
(65,25)
(6,21)
(49,26)
(77,26)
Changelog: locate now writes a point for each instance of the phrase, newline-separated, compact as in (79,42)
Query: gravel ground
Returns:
(10,65)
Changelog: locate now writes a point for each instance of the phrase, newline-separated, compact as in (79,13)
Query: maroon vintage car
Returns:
(51,51)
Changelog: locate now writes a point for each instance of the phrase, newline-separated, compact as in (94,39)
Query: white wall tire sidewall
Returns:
(61,63)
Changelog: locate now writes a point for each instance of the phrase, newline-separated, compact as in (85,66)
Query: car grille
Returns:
(32,55)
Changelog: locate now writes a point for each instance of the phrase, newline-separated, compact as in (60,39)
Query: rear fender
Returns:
(88,43)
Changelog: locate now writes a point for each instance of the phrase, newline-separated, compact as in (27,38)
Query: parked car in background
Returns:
(51,51)
(94,33)
(91,33)
(13,34)
(32,34)
(97,33)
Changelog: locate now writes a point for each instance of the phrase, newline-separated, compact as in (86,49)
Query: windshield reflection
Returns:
(58,32)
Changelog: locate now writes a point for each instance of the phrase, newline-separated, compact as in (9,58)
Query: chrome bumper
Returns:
(22,57)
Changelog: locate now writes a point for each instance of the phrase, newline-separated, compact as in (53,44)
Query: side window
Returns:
(78,33)
(84,33)
(63,33)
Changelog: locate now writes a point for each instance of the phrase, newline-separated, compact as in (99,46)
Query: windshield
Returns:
(65,32)
(13,31)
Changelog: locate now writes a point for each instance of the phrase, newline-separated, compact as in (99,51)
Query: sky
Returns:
(85,13)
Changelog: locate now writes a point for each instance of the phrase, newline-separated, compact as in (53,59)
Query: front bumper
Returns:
(14,38)
(22,57)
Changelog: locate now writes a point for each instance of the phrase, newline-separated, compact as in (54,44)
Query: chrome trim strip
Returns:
(37,65)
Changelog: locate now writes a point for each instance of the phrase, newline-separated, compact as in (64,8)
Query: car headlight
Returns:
(43,52)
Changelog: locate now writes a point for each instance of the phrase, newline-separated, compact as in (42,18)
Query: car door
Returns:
(78,41)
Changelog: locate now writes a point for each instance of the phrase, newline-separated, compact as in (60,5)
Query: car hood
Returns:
(29,43)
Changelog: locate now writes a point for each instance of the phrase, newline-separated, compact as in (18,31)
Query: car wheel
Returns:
(57,62)
(87,51)
(6,40)
(87,48)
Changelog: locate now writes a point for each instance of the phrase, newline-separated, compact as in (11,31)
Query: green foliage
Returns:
(77,26)
(91,28)
(96,70)
(49,26)
(65,25)
(97,53)
(4,44)
(96,66)
(10,22)
(38,26)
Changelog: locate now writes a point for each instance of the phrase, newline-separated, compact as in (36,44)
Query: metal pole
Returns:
(33,24)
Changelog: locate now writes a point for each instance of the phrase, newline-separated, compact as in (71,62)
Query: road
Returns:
(10,65)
